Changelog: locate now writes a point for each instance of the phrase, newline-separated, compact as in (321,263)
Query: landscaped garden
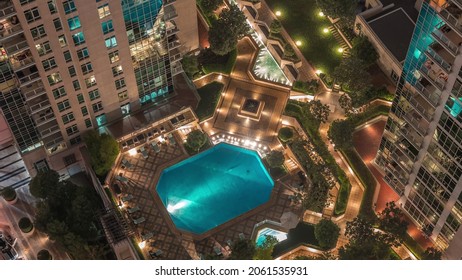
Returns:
(210,95)
(302,21)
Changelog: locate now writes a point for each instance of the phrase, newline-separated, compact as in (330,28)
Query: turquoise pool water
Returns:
(261,236)
(213,187)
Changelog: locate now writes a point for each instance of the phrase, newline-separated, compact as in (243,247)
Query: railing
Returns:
(458,3)
(6,32)
(412,121)
(405,132)
(34,93)
(49,131)
(45,119)
(16,47)
(441,62)
(419,108)
(18,64)
(170,15)
(29,78)
(431,97)
(435,81)
(445,41)
(400,161)
(40,106)
(450,19)
(4,12)
(401,175)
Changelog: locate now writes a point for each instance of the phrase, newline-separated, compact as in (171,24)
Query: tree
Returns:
(227,30)
(366,243)
(340,133)
(327,233)
(432,254)
(243,249)
(103,150)
(44,183)
(319,111)
(392,220)
(352,74)
(364,50)
(265,251)
(286,134)
(343,9)
(196,139)
(345,103)
(275,159)
(190,65)
(275,26)
(209,6)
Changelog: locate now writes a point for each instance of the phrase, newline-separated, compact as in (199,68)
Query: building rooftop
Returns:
(407,5)
(394,28)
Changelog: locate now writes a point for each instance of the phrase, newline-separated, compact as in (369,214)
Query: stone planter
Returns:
(26,226)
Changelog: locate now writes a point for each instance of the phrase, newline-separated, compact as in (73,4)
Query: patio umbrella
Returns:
(289,220)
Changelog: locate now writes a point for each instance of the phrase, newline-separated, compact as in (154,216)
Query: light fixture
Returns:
(325,30)
(132,152)
(340,50)
(278,13)
(321,14)
(298,43)
(318,72)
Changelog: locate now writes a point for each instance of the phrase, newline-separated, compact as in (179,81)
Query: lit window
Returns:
(117,70)
(123,95)
(114,56)
(74,23)
(43,48)
(54,78)
(90,81)
(101,119)
(52,6)
(111,42)
(62,41)
(103,11)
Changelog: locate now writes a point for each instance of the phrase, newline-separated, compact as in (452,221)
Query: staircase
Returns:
(341,42)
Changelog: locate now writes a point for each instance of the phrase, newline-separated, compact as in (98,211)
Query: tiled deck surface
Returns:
(142,180)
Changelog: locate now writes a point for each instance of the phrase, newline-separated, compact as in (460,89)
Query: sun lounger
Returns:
(133,209)
(155,146)
(127,198)
(139,220)
(241,236)
(143,152)
(126,163)
(230,243)
(121,179)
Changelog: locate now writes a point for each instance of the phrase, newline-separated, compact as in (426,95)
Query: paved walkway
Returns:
(27,246)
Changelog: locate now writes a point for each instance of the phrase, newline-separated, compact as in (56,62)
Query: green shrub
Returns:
(25,225)
(8,193)
(44,255)
(286,134)
(210,95)
(212,63)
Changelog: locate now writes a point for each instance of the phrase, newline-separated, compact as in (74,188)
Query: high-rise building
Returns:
(421,149)
(70,66)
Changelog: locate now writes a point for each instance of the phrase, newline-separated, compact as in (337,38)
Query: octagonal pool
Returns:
(213,187)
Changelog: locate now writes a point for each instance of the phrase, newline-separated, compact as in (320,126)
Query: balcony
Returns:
(171,28)
(43,118)
(9,30)
(175,55)
(21,60)
(50,131)
(176,68)
(420,125)
(437,78)
(411,136)
(402,160)
(413,99)
(169,13)
(33,90)
(452,15)
(15,44)
(429,92)
(443,39)
(28,75)
(173,42)
(394,183)
(6,9)
(40,106)
(440,56)
(398,173)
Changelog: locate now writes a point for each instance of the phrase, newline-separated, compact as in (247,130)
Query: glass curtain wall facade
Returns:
(23,99)
(421,149)
(149,46)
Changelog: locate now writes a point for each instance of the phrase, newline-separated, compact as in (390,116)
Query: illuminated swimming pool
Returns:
(213,187)
(261,236)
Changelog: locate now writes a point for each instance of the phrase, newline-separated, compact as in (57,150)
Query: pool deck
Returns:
(177,244)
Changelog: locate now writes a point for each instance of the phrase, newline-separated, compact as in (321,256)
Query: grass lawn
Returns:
(210,94)
(216,63)
(301,20)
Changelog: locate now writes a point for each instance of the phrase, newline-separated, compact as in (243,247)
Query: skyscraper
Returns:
(70,66)
(421,149)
